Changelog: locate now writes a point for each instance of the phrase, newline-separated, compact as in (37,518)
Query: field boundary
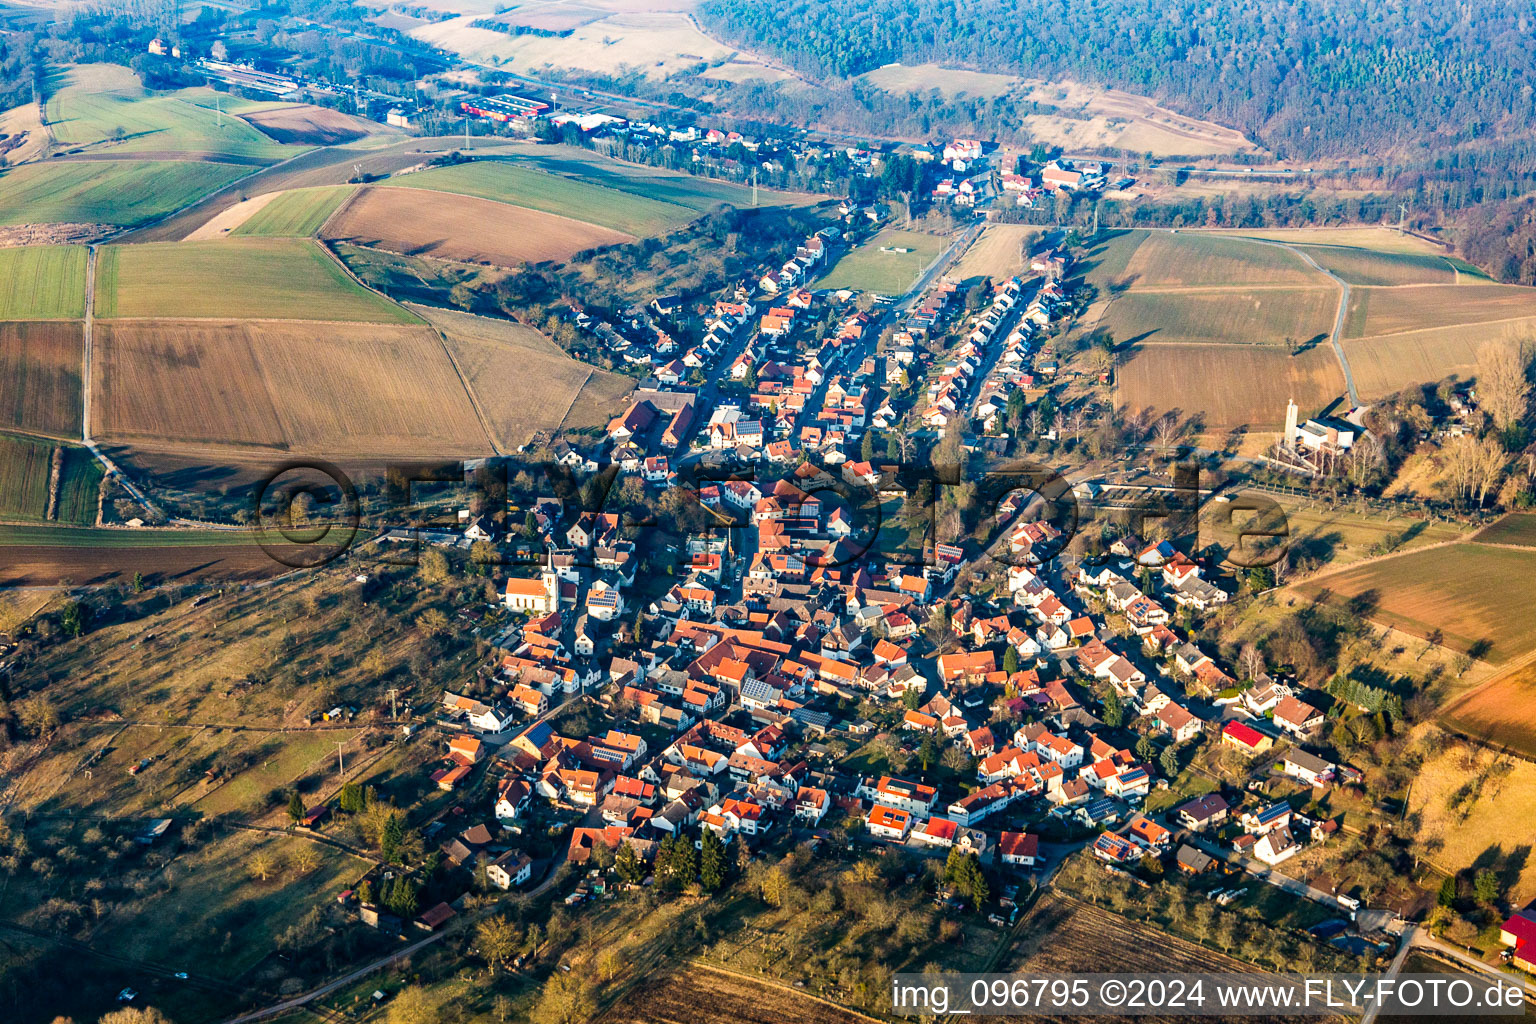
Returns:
(341,208)
(474,399)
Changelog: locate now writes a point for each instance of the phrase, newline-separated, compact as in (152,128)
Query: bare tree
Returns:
(1503,381)
(1166,430)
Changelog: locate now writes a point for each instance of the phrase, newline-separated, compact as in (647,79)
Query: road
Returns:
(939,266)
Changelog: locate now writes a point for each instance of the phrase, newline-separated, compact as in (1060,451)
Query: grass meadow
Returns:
(250,278)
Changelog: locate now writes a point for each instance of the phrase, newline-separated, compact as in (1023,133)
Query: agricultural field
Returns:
(1384,366)
(106,109)
(463,228)
(705,995)
(45,556)
(298,213)
(1104,262)
(279,279)
(620,40)
(1381,311)
(1461,590)
(528,186)
(26,468)
(523,381)
(308,125)
(1165,260)
(871,268)
(1364,267)
(1465,797)
(333,390)
(999,253)
(1517,528)
(40,366)
(1229,385)
(42,282)
(1063,935)
(118,192)
(1225,316)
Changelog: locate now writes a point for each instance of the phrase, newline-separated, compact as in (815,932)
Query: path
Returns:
(1405,943)
(1338,321)
(362,972)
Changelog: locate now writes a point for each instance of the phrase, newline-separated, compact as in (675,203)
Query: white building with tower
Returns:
(534,596)
(1315,443)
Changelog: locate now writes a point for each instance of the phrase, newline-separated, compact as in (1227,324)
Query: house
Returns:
(1519,933)
(812,804)
(1020,849)
(889,822)
(1309,768)
(1245,738)
(511,799)
(1177,722)
(510,869)
(1193,861)
(1276,846)
(1203,812)
(1297,717)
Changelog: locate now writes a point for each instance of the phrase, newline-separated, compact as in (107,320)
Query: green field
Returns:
(124,192)
(1237,316)
(78,537)
(1462,590)
(1517,528)
(25,466)
(42,282)
(869,269)
(296,214)
(1164,259)
(537,189)
(1367,267)
(105,107)
(251,278)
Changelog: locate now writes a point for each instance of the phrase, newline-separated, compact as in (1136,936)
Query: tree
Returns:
(261,866)
(867,446)
(1447,896)
(295,806)
(1145,748)
(1485,885)
(1168,760)
(433,567)
(307,859)
(712,861)
(414,1005)
(498,939)
(628,865)
(138,583)
(1011,660)
(775,887)
(404,898)
(1503,381)
(135,1015)
(1114,710)
(351,798)
(72,618)
(928,751)
(566,999)
(392,836)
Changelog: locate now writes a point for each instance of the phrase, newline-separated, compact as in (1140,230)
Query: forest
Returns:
(1307,78)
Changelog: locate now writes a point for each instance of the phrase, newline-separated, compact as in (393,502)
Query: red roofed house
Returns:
(1018,848)
(1519,932)
(1245,738)
(889,822)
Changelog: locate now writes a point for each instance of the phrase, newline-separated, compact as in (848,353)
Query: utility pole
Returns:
(1095,218)
(754,186)
(341,766)
(394,709)
(467,146)
(1402,216)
